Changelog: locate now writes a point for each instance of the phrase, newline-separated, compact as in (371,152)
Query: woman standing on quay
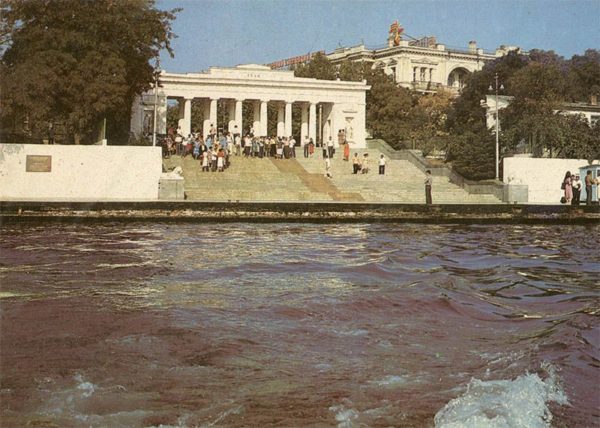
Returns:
(568,186)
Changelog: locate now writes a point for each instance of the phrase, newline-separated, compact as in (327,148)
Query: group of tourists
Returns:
(216,149)
(362,165)
(571,185)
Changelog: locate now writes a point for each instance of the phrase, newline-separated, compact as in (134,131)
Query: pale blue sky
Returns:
(230,32)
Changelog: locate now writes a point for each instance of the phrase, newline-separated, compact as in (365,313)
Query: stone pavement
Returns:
(303,179)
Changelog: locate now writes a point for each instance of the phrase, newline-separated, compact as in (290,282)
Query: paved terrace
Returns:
(303,180)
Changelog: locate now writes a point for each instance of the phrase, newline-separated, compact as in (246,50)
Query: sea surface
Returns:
(142,324)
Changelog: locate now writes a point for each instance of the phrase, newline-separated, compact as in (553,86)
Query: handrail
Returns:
(493,187)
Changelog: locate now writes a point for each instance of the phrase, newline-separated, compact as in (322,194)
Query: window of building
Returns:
(394,74)
(422,76)
(414,74)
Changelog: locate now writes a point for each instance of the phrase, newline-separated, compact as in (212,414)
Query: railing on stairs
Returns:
(490,187)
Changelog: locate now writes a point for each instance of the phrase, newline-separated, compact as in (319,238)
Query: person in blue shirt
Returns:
(223,142)
(209,142)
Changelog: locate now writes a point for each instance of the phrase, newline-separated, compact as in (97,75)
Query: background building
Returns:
(421,64)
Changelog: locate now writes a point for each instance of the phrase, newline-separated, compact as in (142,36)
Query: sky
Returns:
(226,33)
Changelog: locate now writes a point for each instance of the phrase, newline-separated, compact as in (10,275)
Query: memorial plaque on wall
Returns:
(36,163)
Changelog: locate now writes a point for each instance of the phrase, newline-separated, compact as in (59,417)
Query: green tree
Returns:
(428,121)
(76,62)
(574,138)
(584,75)
(473,153)
(353,71)
(466,113)
(388,110)
(319,67)
(538,90)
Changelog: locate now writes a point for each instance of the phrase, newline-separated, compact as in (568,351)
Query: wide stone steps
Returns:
(303,179)
(402,182)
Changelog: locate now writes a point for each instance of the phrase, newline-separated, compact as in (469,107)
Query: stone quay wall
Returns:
(55,172)
(22,211)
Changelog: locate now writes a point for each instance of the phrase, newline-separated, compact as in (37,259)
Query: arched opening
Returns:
(457,78)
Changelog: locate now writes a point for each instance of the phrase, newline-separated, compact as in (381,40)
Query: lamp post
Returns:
(156,76)
(497,125)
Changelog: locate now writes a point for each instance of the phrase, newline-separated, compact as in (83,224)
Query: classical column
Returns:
(231,111)
(304,123)
(359,128)
(280,120)
(213,113)
(161,115)
(263,117)
(312,122)
(186,122)
(180,113)
(206,115)
(333,124)
(288,119)
(256,116)
(328,129)
(238,116)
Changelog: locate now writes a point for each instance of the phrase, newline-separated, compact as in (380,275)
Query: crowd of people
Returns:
(215,151)
(572,188)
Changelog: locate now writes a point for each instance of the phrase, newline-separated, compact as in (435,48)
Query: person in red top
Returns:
(568,186)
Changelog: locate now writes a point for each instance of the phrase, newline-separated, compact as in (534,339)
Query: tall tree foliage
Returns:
(319,67)
(539,84)
(388,110)
(466,113)
(77,61)
(584,75)
(538,90)
(473,154)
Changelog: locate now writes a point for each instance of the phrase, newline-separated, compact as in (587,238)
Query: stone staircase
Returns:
(316,181)
(402,182)
(247,179)
(303,180)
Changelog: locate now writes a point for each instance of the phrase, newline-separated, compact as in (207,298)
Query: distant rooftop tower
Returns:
(395,34)
(473,46)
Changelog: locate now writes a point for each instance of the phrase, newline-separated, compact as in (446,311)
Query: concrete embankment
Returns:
(11,211)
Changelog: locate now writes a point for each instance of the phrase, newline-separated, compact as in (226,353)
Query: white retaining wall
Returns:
(100,173)
(542,176)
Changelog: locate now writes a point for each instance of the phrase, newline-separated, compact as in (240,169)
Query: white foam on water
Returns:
(391,381)
(66,402)
(399,381)
(226,413)
(323,367)
(522,402)
(87,388)
(345,417)
(356,332)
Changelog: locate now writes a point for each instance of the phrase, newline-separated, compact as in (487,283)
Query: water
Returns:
(348,325)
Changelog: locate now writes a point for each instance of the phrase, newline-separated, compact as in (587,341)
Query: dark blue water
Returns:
(142,324)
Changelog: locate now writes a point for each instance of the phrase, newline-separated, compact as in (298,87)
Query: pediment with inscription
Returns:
(424,61)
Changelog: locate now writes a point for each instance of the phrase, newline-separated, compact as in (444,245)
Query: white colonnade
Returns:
(322,106)
(308,120)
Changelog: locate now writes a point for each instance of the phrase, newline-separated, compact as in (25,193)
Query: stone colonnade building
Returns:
(326,106)
(423,64)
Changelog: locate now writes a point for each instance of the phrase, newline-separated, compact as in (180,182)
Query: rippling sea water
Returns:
(181,325)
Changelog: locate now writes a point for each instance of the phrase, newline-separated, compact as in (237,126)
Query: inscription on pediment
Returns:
(424,61)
